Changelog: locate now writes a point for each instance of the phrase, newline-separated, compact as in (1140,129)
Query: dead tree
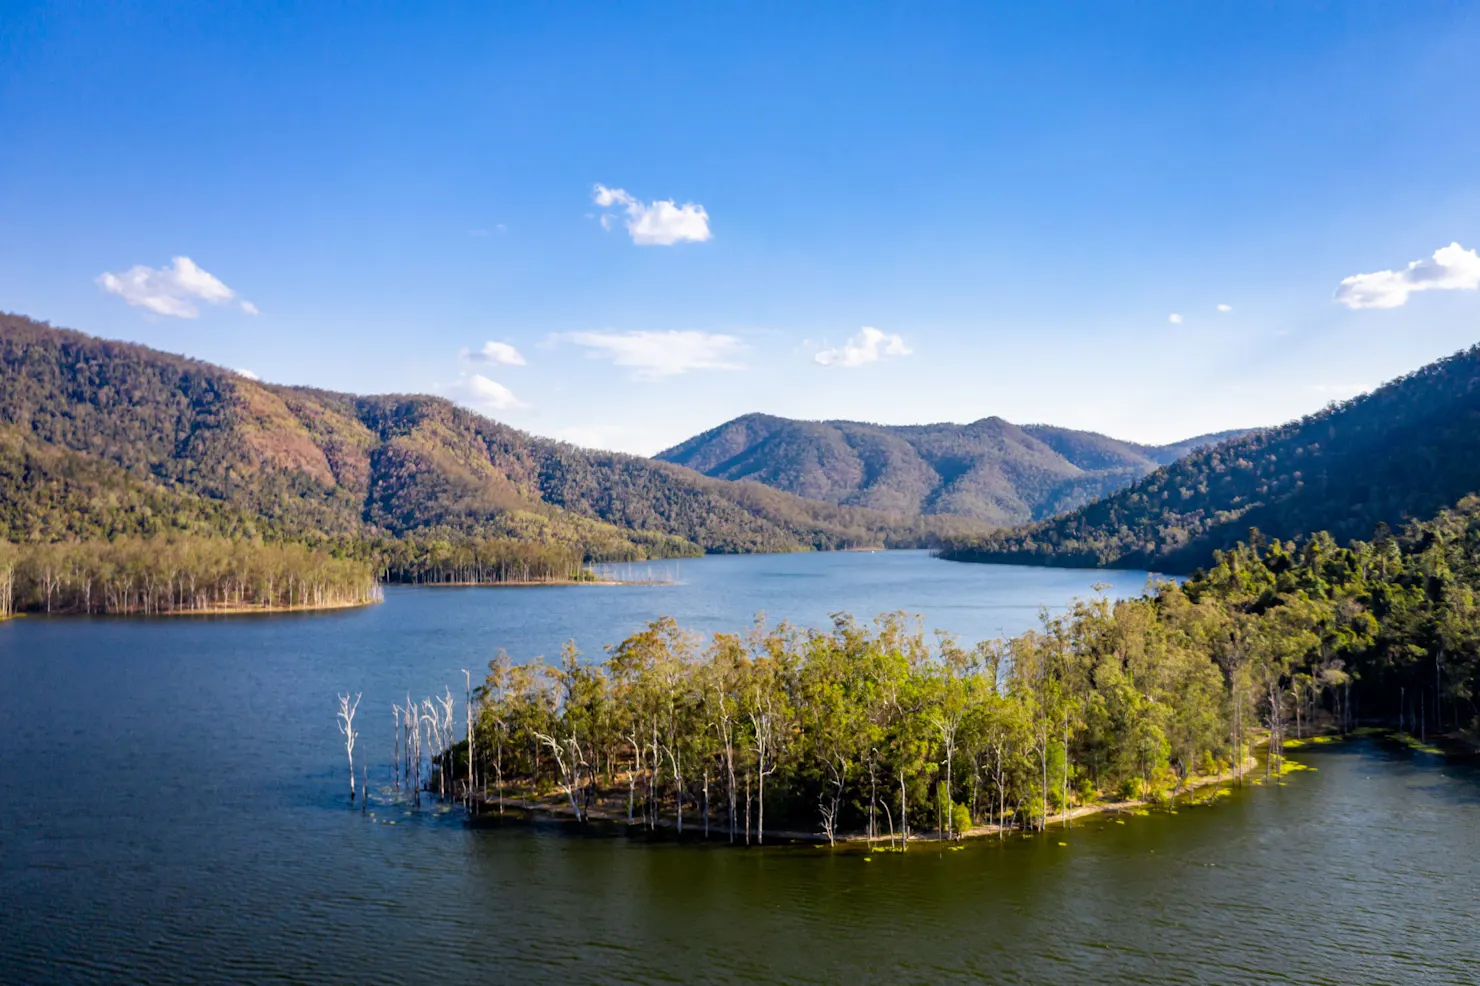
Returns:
(448,705)
(570,769)
(468,680)
(347,728)
(396,753)
(432,723)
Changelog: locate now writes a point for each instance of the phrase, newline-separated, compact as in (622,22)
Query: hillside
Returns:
(1404,451)
(108,438)
(989,470)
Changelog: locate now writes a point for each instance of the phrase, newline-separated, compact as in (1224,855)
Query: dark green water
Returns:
(173,813)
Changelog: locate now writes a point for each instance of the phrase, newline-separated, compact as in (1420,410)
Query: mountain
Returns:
(101,438)
(990,470)
(1402,452)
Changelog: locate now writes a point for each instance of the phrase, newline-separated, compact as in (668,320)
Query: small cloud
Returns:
(660,223)
(499,353)
(654,355)
(246,374)
(868,346)
(1225,308)
(1451,268)
(476,391)
(172,290)
(1174,318)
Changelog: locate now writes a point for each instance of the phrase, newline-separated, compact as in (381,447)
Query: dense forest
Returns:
(1402,452)
(177,574)
(100,438)
(991,470)
(477,561)
(882,730)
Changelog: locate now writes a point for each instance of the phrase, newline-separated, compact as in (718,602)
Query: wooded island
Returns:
(881,731)
(180,573)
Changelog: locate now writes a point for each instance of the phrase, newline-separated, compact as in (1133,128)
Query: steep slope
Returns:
(1167,454)
(1402,452)
(50,494)
(185,439)
(990,470)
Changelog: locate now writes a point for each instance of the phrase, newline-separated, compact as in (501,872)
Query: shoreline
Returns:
(228,610)
(524,583)
(557,807)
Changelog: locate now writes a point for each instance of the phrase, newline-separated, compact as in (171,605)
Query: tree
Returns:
(347,728)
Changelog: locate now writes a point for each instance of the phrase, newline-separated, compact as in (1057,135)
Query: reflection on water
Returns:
(174,813)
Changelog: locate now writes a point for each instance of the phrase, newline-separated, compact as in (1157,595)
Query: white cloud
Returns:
(246,374)
(654,355)
(1174,318)
(172,290)
(499,353)
(868,346)
(1225,308)
(660,223)
(1451,268)
(478,392)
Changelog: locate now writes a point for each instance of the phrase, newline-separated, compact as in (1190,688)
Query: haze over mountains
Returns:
(99,438)
(1402,452)
(990,470)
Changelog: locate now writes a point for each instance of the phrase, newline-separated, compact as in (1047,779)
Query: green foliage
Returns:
(1391,627)
(1404,451)
(99,439)
(177,574)
(989,470)
(877,730)
(477,561)
(856,726)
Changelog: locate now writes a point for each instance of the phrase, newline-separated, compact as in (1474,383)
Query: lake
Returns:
(174,812)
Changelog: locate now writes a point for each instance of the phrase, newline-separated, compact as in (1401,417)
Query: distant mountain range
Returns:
(101,438)
(1402,452)
(990,470)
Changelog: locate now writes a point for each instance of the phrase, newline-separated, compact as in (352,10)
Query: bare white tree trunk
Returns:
(347,728)
(447,704)
(468,680)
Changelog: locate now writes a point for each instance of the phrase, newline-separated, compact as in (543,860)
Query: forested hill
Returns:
(990,470)
(1402,452)
(101,438)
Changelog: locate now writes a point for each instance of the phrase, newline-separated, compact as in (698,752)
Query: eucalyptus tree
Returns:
(945,704)
(346,716)
(9,554)
(496,698)
(767,705)
(727,667)
(468,733)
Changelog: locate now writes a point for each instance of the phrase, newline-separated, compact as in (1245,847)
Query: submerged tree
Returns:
(347,711)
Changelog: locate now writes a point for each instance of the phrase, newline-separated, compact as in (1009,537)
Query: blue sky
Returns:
(1015,198)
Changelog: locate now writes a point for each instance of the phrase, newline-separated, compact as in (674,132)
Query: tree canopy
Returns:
(1400,453)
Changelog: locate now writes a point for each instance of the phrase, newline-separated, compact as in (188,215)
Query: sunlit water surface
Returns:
(173,811)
